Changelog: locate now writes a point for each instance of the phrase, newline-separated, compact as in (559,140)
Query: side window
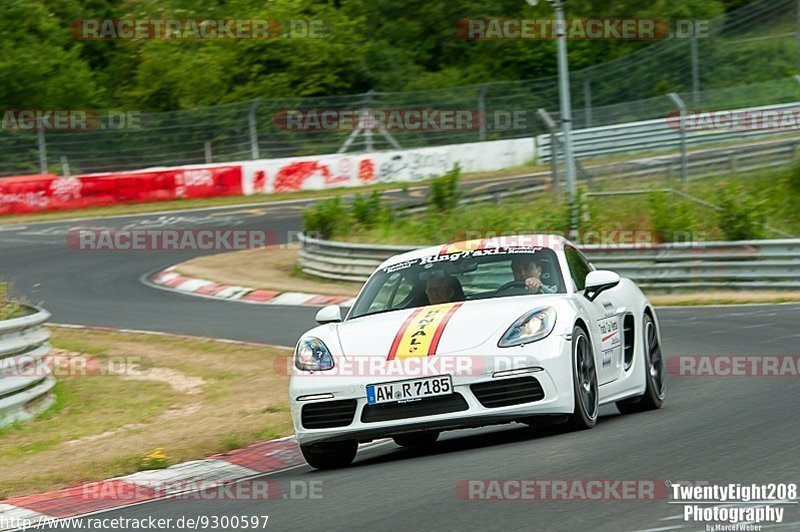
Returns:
(579,267)
(394,290)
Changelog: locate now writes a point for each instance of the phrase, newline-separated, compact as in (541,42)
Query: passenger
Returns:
(443,290)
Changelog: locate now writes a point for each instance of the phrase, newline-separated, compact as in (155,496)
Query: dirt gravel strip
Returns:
(170,279)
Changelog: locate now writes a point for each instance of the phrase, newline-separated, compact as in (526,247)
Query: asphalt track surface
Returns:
(712,429)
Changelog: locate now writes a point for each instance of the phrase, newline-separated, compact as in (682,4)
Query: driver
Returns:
(527,270)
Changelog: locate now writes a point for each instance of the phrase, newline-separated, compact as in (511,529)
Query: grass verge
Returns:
(192,398)
(10,308)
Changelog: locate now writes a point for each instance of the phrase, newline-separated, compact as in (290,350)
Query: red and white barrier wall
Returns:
(47,192)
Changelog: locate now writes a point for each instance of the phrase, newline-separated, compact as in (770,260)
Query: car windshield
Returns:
(460,276)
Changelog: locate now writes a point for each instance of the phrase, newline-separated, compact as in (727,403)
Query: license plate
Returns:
(391,392)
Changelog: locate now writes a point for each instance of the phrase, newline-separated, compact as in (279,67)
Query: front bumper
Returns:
(346,396)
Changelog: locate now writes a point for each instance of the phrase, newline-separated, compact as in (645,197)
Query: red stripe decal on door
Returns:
(401,331)
(440,329)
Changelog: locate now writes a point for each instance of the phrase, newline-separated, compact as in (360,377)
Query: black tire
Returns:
(416,439)
(584,382)
(330,455)
(655,383)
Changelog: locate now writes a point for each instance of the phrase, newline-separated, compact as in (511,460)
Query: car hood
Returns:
(434,329)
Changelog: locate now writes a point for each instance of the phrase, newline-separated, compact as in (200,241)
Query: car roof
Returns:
(554,242)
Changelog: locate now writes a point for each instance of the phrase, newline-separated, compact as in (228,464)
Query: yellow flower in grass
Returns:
(158,459)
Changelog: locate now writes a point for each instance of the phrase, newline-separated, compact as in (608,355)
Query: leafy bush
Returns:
(443,194)
(741,216)
(324,218)
(671,219)
(368,211)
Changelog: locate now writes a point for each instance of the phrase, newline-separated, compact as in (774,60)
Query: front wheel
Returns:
(584,379)
(656,386)
(330,455)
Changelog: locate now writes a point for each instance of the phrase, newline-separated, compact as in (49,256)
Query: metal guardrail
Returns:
(753,264)
(735,159)
(656,135)
(26,381)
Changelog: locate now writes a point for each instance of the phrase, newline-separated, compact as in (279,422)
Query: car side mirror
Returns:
(598,281)
(329,314)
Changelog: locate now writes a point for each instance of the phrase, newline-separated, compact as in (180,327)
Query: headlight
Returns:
(530,327)
(312,355)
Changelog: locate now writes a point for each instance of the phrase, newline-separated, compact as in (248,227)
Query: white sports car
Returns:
(520,329)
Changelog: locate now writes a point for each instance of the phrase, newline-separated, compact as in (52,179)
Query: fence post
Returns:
(207,151)
(482,110)
(587,101)
(552,129)
(684,155)
(368,129)
(42,148)
(695,68)
(65,166)
(251,118)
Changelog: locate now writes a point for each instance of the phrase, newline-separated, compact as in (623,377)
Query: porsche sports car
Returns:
(520,329)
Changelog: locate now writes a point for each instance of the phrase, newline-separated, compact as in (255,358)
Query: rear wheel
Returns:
(656,386)
(330,455)
(416,439)
(584,379)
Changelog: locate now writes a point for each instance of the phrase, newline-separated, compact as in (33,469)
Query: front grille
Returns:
(507,392)
(328,414)
(424,407)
